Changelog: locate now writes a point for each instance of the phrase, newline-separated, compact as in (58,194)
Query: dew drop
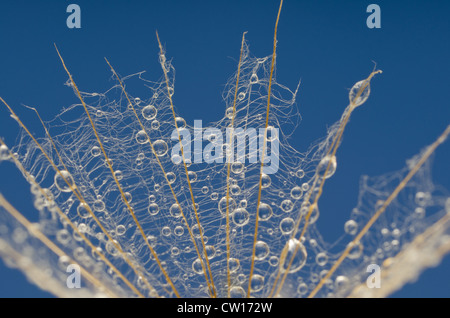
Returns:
(96,151)
(265,211)
(64,181)
(363,89)
(240,217)
(141,137)
(295,254)
(261,250)
(327,164)
(160,147)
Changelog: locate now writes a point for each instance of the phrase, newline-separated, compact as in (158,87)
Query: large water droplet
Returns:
(359,93)
(64,181)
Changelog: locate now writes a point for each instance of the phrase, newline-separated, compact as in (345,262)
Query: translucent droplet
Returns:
(233,264)
(214,196)
(287,225)
(287,206)
(63,236)
(210,251)
(197,231)
(328,164)
(273,261)
(197,266)
(4,152)
(179,230)
(205,189)
(253,79)
(111,247)
(99,206)
(257,283)
(120,229)
(271,133)
(141,137)
(237,292)
(237,167)
(181,123)
(229,112)
(265,181)
(240,217)
(83,211)
(118,174)
(192,176)
(171,177)
(235,190)
(261,250)
(422,198)
(128,197)
(296,193)
(160,147)
(321,259)
(351,227)
(300,173)
(153,209)
(241,96)
(64,181)
(265,211)
(96,151)
(175,210)
(223,205)
(294,254)
(165,231)
(355,251)
(155,125)
(359,93)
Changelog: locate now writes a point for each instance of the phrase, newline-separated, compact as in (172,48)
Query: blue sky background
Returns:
(326,44)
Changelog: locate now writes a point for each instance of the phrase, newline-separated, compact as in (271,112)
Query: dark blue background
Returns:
(326,44)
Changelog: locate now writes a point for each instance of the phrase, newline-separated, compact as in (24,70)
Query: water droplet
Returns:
(254,79)
(265,211)
(111,247)
(257,283)
(327,164)
(171,177)
(96,151)
(196,231)
(233,264)
(181,123)
(83,211)
(237,292)
(355,250)
(153,209)
(359,93)
(165,231)
(120,230)
(229,112)
(4,152)
(295,254)
(241,96)
(210,251)
(192,176)
(237,167)
(197,266)
(300,173)
(261,250)
(287,225)
(287,206)
(155,125)
(265,181)
(321,259)
(240,217)
(175,210)
(351,227)
(141,137)
(296,193)
(99,206)
(118,174)
(179,230)
(64,181)
(160,147)
(223,205)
